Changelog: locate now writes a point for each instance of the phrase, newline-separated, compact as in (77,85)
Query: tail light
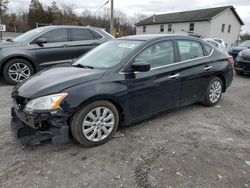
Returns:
(230,59)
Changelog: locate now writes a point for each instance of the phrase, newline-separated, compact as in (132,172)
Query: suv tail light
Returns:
(230,59)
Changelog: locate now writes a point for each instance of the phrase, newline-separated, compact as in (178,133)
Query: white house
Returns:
(219,22)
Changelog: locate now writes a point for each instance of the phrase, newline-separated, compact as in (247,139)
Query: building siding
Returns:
(210,29)
(228,18)
(202,28)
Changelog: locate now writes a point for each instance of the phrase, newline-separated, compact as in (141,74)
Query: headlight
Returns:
(50,102)
(239,57)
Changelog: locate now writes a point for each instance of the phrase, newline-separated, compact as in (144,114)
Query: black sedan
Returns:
(234,51)
(46,46)
(119,83)
(242,63)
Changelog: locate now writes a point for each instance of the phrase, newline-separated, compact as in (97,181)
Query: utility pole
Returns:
(112,18)
(1,33)
(3,7)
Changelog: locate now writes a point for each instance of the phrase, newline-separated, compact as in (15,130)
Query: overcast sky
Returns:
(148,7)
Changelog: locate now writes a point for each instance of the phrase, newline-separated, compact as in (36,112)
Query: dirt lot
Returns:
(194,146)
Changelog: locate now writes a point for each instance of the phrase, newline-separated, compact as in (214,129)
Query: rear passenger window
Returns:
(78,34)
(56,35)
(158,55)
(189,49)
(208,49)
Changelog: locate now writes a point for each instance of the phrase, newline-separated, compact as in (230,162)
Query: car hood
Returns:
(55,80)
(238,48)
(6,44)
(245,53)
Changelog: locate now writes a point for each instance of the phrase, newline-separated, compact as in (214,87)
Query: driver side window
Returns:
(56,35)
(157,55)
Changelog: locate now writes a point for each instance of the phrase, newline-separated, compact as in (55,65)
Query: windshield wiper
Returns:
(83,66)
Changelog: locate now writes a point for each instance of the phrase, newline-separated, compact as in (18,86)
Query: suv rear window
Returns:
(96,35)
(78,34)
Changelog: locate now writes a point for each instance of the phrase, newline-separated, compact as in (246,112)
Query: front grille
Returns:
(246,58)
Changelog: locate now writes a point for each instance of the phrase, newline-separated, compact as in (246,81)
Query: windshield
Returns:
(28,35)
(245,44)
(108,54)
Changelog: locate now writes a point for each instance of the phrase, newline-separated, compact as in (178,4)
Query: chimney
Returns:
(153,17)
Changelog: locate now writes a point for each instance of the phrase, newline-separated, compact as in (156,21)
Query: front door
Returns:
(158,89)
(55,50)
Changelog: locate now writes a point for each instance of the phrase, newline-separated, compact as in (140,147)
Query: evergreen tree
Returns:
(36,14)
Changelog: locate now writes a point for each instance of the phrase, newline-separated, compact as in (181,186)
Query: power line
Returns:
(102,6)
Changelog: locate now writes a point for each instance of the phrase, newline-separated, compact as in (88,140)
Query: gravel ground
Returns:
(195,146)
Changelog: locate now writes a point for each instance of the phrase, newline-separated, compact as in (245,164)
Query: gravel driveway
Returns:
(195,146)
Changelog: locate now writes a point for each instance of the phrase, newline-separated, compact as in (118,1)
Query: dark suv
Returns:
(46,46)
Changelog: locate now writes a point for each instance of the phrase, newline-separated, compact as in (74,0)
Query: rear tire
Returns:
(213,93)
(17,70)
(95,124)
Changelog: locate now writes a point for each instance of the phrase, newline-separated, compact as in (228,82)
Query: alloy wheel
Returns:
(98,124)
(19,72)
(215,91)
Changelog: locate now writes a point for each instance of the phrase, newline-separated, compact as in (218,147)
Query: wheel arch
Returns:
(18,57)
(223,79)
(108,98)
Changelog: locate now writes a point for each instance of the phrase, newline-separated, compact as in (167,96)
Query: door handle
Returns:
(207,68)
(65,45)
(174,76)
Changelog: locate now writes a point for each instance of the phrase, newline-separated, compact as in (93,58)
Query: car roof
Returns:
(150,37)
(68,26)
(209,39)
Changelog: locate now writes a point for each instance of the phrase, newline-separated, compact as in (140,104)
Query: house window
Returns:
(229,28)
(191,27)
(223,28)
(162,28)
(144,29)
(169,27)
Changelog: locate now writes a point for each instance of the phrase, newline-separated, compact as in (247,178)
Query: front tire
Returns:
(213,93)
(17,70)
(95,124)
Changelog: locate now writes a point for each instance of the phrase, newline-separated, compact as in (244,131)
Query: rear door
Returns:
(82,40)
(195,70)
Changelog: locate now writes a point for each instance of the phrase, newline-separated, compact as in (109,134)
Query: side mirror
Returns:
(140,66)
(40,41)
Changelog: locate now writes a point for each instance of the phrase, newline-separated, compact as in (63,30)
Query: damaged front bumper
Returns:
(39,128)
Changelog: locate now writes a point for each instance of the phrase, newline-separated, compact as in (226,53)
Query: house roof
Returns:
(187,16)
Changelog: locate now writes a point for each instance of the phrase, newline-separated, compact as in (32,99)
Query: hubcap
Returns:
(18,72)
(98,124)
(215,91)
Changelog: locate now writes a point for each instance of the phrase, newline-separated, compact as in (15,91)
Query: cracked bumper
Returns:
(24,125)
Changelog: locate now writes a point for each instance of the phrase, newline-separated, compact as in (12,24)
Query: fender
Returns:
(23,56)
